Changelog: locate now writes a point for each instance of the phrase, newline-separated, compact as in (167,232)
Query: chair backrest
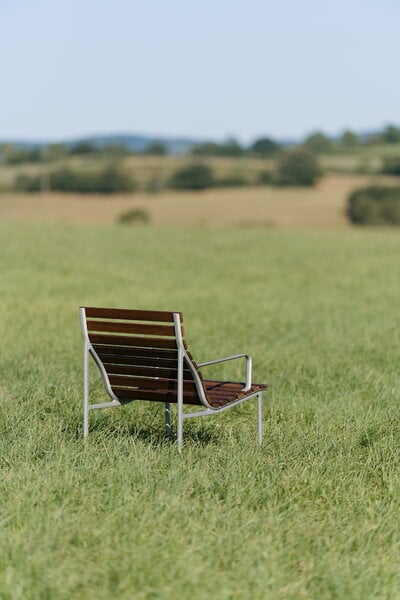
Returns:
(137,354)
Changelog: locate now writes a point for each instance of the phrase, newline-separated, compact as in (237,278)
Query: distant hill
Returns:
(139,143)
(135,143)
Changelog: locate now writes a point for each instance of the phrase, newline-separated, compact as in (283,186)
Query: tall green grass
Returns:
(312,514)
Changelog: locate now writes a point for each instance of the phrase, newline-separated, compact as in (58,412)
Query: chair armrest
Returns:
(226,358)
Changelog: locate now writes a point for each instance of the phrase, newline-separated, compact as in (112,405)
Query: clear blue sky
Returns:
(205,68)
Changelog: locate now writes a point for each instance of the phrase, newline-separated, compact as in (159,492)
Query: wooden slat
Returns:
(229,392)
(227,397)
(121,327)
(113,359)
(151,383)
(221,402)
(129,394)
(116,340)
(221,386)
(151,353)
(113,369)
(221,393)
(133,315)
(146,361)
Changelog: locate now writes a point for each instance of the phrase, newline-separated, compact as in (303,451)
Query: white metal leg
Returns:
(167,419)
(180,399)
(85,390)
(259,418)
(180,427)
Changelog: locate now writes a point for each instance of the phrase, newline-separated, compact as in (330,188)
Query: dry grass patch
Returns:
(322,206)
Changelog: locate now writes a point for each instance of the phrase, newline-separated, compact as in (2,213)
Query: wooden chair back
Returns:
(137,354)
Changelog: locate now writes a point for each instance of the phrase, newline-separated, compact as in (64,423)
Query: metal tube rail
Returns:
(233,357)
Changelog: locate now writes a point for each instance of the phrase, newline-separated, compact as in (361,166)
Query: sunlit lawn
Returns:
(312,514)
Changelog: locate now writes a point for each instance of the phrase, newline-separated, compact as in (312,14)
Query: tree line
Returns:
(263,147)
(14,155)
(296,166)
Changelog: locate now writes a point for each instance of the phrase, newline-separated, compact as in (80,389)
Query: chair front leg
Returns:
(180,399)
(259,418)
(85,389)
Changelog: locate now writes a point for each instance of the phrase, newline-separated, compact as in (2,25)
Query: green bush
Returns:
(17,156)
(318,142)
(230,147)
(375,205)
(264,147)
(156,149)
(192,177)
(391,134)
(106,181)
(113,179)
(391,165)
(297,166)
(27,183)
(84,147)
(349,139)
(134,216)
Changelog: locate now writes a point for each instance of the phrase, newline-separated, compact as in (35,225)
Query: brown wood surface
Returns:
(128,314)
(123,327)
(129,394)
(151,383)
(113,369)
(116,340)
(212,384)
(222,393)
(155,354)
(143,361)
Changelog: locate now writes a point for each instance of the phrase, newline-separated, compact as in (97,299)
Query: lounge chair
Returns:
(143,355)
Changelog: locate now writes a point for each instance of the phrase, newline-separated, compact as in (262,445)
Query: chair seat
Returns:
(218,393)
(221,393)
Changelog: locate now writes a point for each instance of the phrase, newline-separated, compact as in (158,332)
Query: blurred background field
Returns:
(323,206)
(241,193)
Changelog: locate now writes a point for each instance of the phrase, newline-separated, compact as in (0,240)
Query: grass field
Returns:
(312,514)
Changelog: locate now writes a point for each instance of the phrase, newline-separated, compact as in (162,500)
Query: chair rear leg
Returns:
(168,420)
(259,419)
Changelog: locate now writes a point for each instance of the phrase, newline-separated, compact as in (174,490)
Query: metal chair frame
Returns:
(183,357)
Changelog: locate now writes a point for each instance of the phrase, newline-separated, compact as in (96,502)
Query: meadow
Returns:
(313,513)
(323,206)
(250,204)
